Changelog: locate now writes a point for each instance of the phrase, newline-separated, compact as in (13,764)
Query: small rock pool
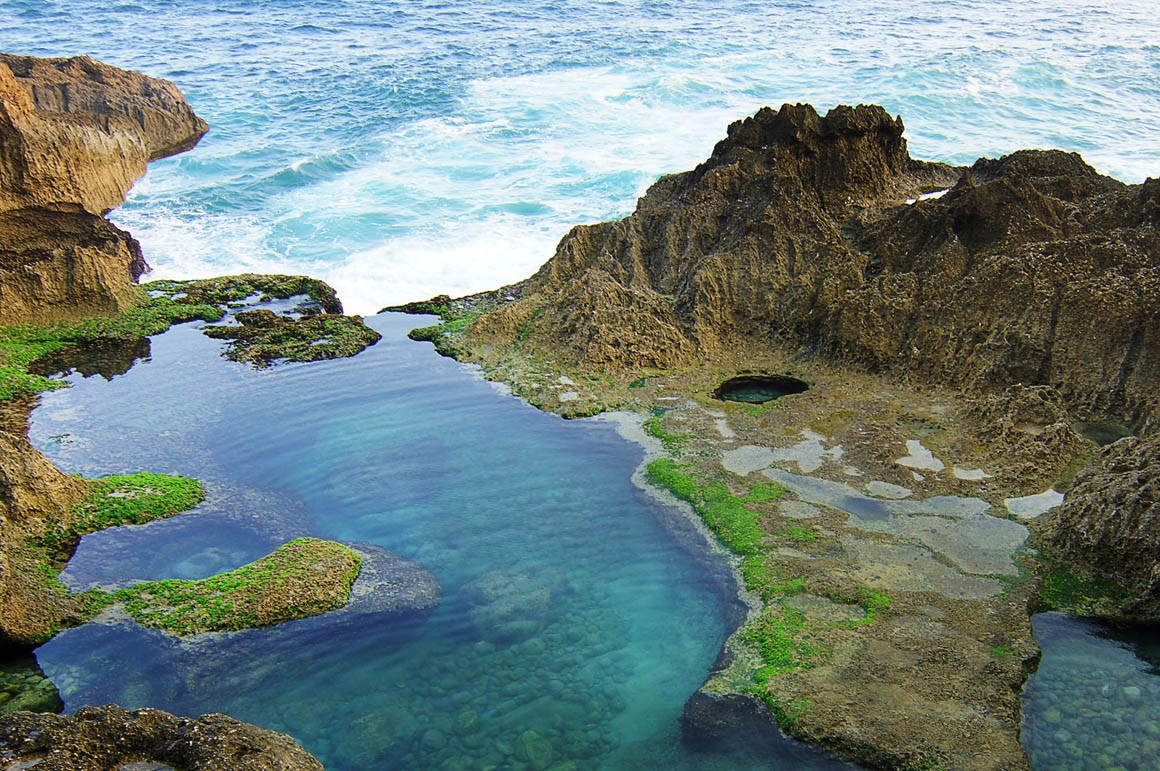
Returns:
(759,389)
(1094,703)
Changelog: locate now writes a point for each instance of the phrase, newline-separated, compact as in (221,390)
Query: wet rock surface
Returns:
(109,737)
(1109,522)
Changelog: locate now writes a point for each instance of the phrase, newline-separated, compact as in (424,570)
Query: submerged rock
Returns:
(102,738)
(263,337)
(388,583)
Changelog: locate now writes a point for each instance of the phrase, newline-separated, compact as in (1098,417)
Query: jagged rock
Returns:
(1109,522)
(1031,270)
(102,738)
(75,135)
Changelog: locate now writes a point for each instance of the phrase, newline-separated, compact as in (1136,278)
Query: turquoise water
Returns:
(612,611)
(1094,703)
(404,148)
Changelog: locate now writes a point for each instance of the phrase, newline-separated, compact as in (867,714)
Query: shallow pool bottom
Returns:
(759,389)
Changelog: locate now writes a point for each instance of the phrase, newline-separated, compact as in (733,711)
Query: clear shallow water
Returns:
(611,612)
(1095,701)
(401,149)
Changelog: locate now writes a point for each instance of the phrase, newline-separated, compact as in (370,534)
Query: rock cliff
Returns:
(804,230)
(75,135)
(34,495)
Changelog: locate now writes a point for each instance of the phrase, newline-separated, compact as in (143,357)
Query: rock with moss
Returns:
(302,578)
(1108,531)
(224,290)
(263,337)
(107,737)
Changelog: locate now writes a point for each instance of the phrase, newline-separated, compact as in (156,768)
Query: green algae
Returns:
(231,289)
(1072,590)
(130,499)
(262,337)
(166,303)
(302,578)
(655,428)
(456,318)
(21,346)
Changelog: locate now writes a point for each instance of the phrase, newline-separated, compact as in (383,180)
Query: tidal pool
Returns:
(1094,703)
(577,615)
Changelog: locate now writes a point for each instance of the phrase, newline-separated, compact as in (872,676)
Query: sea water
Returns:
(1094,702)
(611,609)
(401,149)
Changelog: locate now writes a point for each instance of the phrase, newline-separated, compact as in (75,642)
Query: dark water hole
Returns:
(758,389)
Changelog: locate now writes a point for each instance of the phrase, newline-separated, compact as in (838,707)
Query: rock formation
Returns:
(75,135)
(1109,522)
(100,738)
(34,495)
(1032,269)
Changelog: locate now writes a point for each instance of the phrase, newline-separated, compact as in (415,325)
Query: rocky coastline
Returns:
(957,332)
(75,135)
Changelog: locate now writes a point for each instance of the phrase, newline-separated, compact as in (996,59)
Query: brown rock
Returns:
(1110,522)
(33,495)
(102,738)
(75,135)
(1033,270)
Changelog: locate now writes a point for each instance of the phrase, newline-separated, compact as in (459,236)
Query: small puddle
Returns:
(759,389)
(1103,432)
(1031,506)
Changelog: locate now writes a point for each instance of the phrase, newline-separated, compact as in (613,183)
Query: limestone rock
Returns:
(80,132)
(100,738)
(75,135)
(1110,522)
(33,495)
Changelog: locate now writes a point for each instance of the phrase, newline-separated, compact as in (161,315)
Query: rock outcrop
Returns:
(34,496)
(75,135)
(101,738)
(1109,523)
(1032,269)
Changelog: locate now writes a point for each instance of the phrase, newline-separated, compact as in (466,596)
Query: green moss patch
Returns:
(325,335)
(655,428)
(1073,591)
(131,499)
(232,289)
(302,578)
(263,337)
(455,322)
(20,346)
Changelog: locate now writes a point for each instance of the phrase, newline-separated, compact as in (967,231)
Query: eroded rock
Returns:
(102,738)
(1109,522)
(75,135)
(1031,270)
